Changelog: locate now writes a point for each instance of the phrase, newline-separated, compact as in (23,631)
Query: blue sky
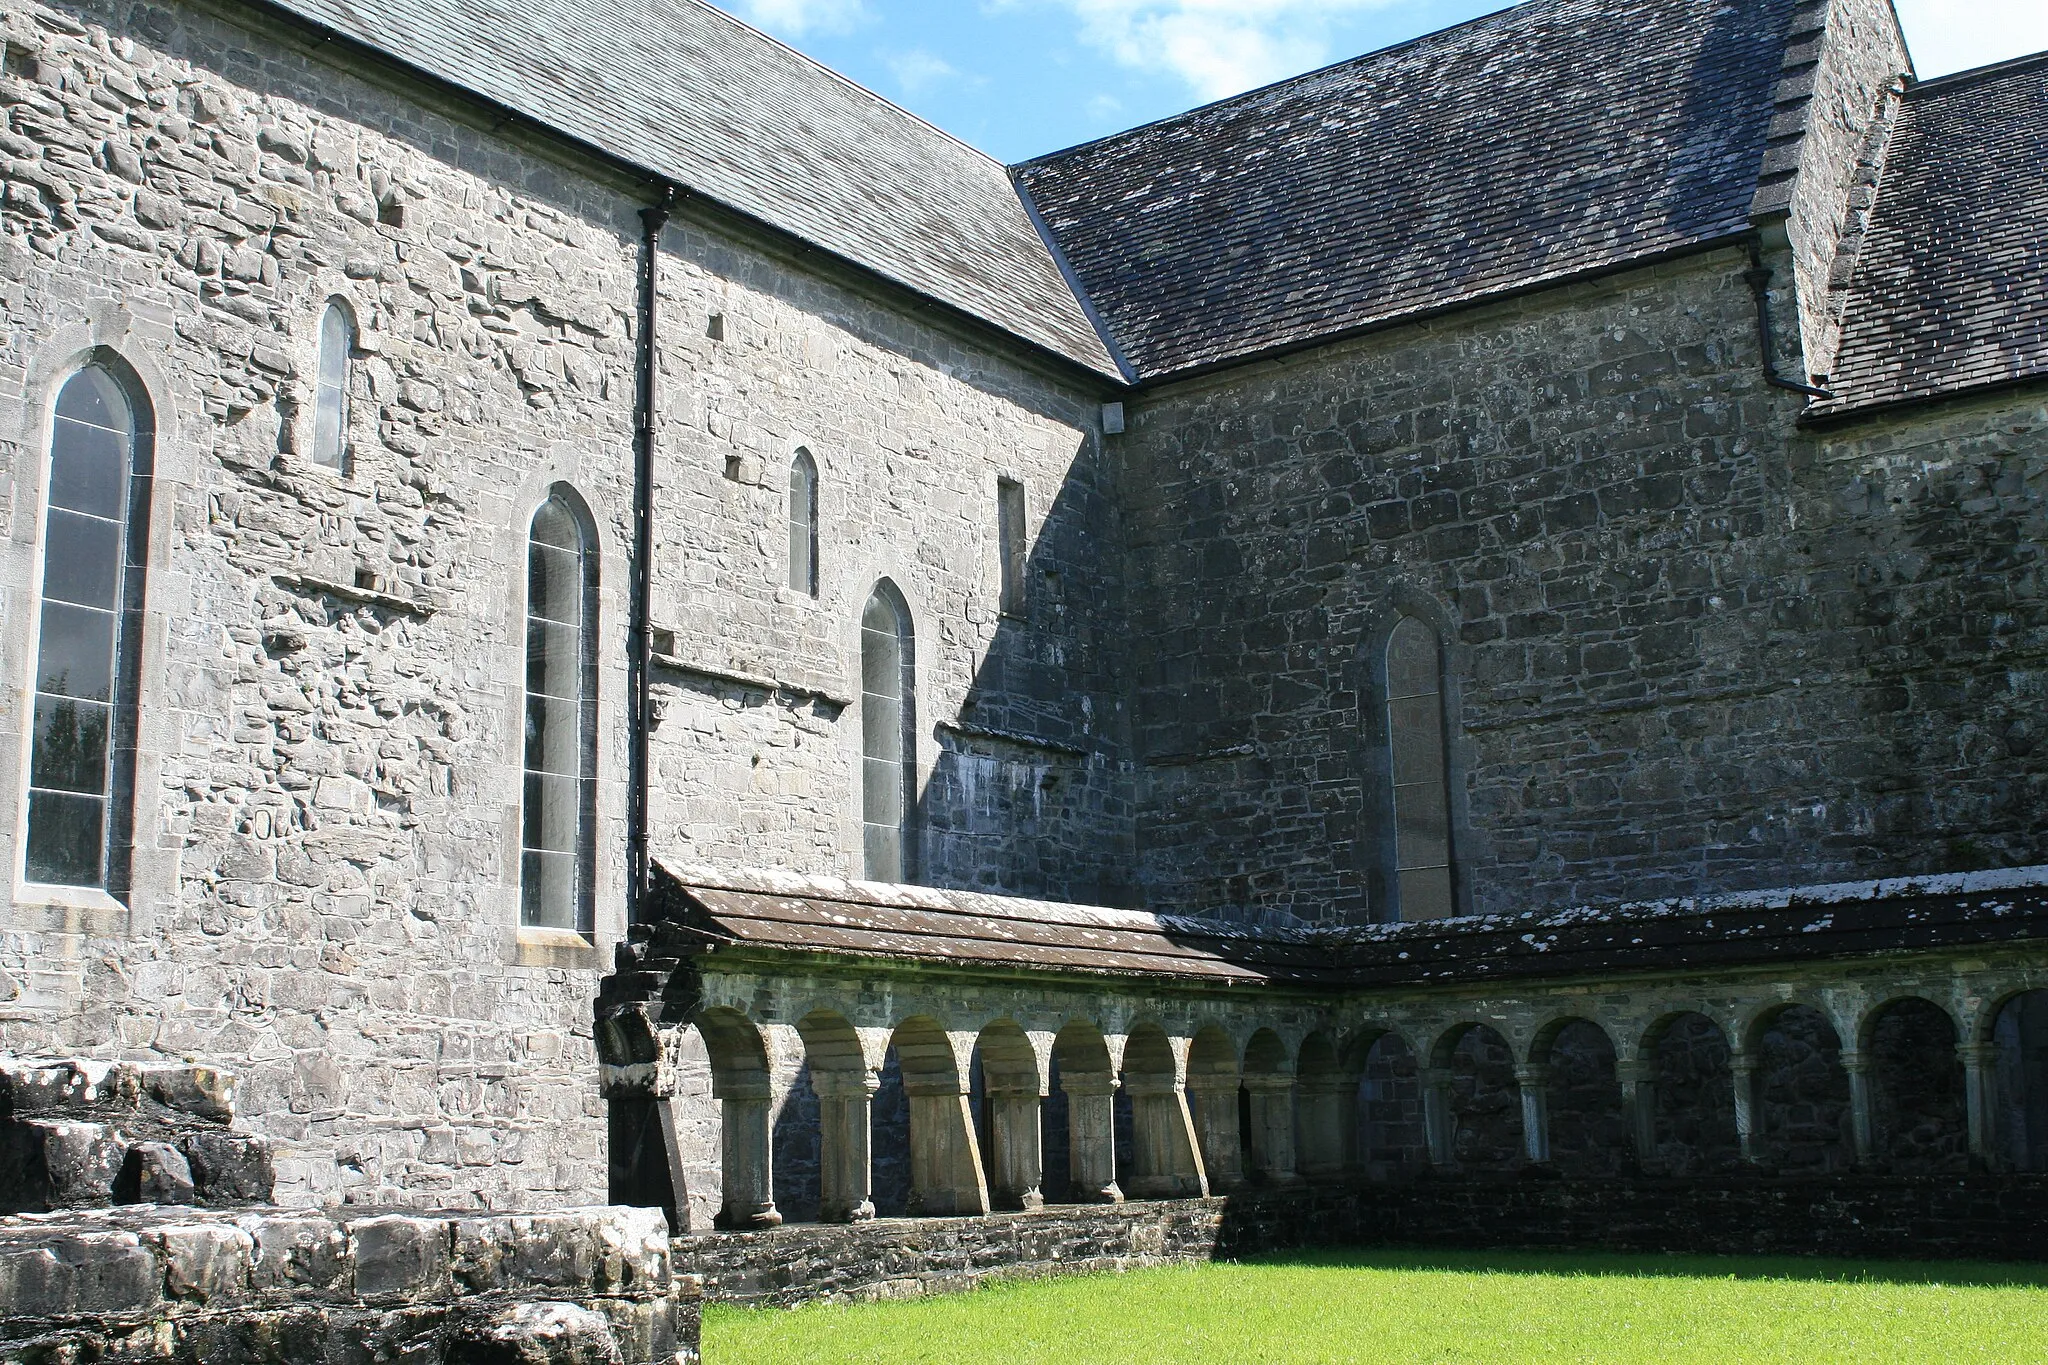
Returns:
(1021,77)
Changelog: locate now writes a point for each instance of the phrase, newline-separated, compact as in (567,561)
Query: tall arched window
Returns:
(558,847)
(803,524)
(330,387)
(888,709)
(1421,791)
(89,641)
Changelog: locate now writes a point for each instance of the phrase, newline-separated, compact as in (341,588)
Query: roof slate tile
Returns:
(1951,289)
(1547,140)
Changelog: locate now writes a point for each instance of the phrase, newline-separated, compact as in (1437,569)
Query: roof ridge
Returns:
(1474,22)
(841,77)
(1957,79)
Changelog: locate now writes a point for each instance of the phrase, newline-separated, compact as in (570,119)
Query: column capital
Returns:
(1532,1073)
(1854,1061)
(835,1085)
(1087,1083)
(1976,1054)
(1635,1071)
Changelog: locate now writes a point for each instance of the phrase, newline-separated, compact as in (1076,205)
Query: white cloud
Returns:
(1954,35)
(795,18)
(917,70)
(1218,47)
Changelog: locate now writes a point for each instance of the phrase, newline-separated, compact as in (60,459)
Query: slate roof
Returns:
(1551,139)
(700,909)
(1950,292)
(677,88)
(785,912)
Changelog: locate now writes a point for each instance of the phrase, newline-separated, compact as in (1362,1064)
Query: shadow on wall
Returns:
(1032,791)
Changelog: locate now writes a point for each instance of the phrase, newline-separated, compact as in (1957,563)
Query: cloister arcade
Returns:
(841,1098)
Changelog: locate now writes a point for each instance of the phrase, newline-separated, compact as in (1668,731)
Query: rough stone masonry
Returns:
(1672,371)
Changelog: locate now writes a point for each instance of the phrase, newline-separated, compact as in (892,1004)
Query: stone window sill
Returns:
(538,947)
(68,909)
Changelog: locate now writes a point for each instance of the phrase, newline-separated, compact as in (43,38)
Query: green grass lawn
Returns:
(1432,1306)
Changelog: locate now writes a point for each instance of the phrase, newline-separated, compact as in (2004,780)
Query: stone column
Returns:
(1862,1107)
(1091,1137)
(945,1159)
(1534,1084)
(1213,1102)
(1018,1160)
(845,1168)
(1742,1072)
(1977,1061)
(1639,1102)
(1272,1135)
(1168,1166)
(1439,1125)
(744,1160)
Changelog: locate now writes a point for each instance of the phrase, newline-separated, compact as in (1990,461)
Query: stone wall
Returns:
(272,1287)
(1689,645)
(326,888)
(1020,727)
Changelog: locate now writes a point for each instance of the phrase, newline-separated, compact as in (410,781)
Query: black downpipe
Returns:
(640,629)
(1759,277)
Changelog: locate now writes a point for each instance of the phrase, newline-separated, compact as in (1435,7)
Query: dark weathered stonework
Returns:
(1691,646)
(278,1287)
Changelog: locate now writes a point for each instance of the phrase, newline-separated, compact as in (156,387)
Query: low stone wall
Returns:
(281,1287)
(1977,1217)
(905,1257)
(1965,1217)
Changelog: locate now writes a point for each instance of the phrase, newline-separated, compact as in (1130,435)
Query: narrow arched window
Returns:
(557,869)
(803,524)
(1421,790)
(330,387)
(95,542)
(888,707)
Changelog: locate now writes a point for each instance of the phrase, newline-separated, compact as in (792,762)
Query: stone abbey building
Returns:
(599,614)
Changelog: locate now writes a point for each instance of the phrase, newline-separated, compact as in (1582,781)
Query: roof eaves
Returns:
(1821,416)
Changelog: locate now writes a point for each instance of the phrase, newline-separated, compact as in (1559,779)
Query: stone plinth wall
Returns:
(1963,1217)
(280,1286)
(1937,1218)
(905,1257)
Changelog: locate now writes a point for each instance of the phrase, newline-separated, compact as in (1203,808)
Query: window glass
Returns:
(887,708)
(803,524)
(558,802)
(330,389)
(1415,730)
(88,574)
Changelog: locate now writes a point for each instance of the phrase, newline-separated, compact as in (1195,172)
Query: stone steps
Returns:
(78,1133)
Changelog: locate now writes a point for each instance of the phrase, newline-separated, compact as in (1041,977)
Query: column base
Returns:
(753,1219)
(860,1213)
